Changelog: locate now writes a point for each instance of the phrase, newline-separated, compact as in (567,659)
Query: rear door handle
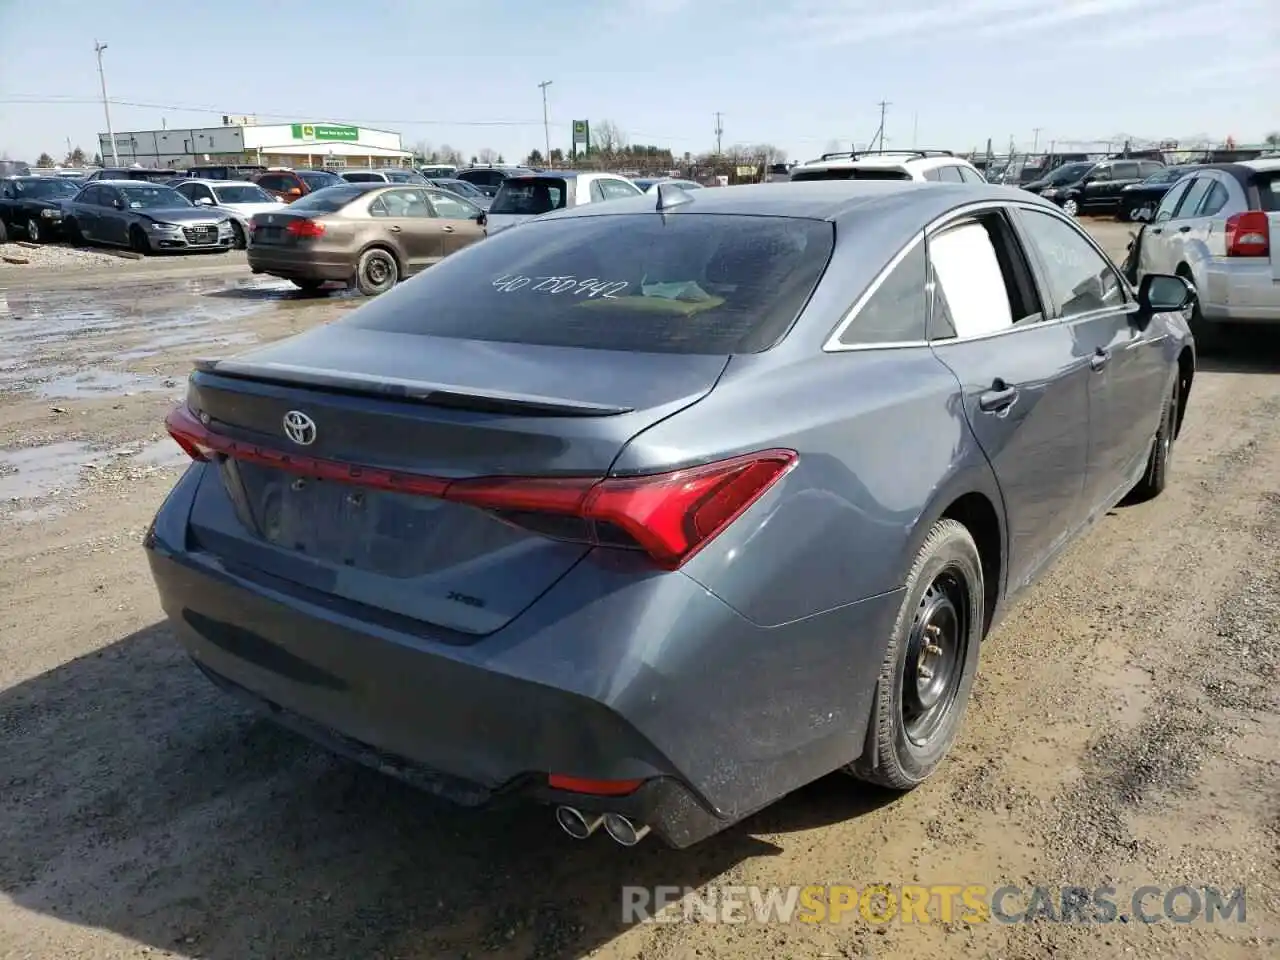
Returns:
(394,229)
(998,399)
(1184,229)
(1099,359)
(447,228)
(1157,229)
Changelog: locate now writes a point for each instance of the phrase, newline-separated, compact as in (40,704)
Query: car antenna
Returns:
(669,195)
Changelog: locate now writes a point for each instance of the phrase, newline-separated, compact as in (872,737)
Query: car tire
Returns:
(72,231)
(1156,477)
(377,272)
(4,233)
(1071,208)
(929,667)
(138,241)
(34,233)
(240,243)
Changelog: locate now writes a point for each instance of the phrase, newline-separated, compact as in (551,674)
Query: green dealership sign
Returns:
(322,131)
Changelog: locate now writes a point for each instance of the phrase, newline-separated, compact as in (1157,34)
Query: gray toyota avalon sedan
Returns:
(654,511)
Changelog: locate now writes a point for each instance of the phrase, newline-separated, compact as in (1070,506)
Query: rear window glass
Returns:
(693,283)
(1268,186)
(529,196)
(318,180)
(329,199)
(852,173)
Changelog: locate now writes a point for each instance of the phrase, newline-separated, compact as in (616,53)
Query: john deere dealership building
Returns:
(242,140)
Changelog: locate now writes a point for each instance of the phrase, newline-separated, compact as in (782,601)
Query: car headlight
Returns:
(50,214)
(224,226)
(1049,192)
(163,227)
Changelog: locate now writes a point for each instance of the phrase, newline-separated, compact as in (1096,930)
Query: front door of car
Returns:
(85,208)
(456,220)
(1128,370)
(411,227)
(113,217)
(1024,382)
(1094,193)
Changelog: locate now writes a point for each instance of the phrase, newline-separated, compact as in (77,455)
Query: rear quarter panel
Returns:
(884,448)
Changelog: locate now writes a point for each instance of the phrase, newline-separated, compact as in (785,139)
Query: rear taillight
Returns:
(305,228)
(670,516)
(1248,234)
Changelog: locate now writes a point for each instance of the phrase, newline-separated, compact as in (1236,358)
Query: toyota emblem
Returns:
(299,428)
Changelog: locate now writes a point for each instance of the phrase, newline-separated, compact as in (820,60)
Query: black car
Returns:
(146,174)
(1138,201)
(32,206)
(487,179)
(1097,189)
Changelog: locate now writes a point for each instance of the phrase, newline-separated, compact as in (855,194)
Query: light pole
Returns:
(106,109)
(546,126)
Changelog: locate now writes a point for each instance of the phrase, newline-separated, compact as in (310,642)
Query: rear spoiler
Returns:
(413,391)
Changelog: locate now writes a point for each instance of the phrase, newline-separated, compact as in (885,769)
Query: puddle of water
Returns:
(39,471)
(97,383)
(34,514)
(162,453)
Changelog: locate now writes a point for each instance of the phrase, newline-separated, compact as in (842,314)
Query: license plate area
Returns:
(267,235)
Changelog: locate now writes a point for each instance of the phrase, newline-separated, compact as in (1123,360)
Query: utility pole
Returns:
(883,105)
(719,131)
(1035,143)
(106,108)
(546,126)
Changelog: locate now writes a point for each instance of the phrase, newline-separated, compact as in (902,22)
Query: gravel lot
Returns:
(1123,728)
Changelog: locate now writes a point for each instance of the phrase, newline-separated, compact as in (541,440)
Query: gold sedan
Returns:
(366,235)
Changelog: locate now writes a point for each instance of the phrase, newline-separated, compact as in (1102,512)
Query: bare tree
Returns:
(1272,139)
(448,154)
(44,160)
(607,137)
(422,150)
(487,155)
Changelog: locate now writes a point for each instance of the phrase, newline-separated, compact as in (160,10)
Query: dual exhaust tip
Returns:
(580,826)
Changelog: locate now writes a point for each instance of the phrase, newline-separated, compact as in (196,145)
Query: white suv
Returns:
(939,166)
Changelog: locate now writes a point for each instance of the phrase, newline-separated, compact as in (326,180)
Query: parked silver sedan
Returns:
(240,199)
(145,217)
(1217,228)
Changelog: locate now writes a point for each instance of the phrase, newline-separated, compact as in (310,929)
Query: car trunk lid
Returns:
(390,419)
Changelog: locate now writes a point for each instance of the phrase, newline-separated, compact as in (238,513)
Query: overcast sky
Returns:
(799,74)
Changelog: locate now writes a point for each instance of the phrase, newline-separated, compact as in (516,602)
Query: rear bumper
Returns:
(1238,290)
(609,676)
(300,264)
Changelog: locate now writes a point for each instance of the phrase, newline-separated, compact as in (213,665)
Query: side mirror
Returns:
(482,218)
(118,204)
(1162,293)
(204,202)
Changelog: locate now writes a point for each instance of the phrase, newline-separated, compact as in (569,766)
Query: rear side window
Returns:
(318,180)
(274,181)
(529,196)
(363,178)
(852,173)
(897,311)
(950,174)
(970,176)
(1214,200)
(692,284)
(328,200)
(971,298)
(1268,185)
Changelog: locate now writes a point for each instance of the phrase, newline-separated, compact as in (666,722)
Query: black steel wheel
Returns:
(930,664)
(34,233)
(377,272)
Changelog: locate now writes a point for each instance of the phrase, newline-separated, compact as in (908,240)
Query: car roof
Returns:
(831,200)
(121,182)
(1262,164)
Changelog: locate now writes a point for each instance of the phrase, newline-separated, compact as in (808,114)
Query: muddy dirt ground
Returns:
(1123,730)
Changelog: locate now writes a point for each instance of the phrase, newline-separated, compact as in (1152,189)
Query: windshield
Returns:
(330,199)
(696,283)
(1070,172)
(242,193)
(529,196)
(404,176)
(319,179)
(157,197)
(1268,185)
(50,189)
(460,187)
